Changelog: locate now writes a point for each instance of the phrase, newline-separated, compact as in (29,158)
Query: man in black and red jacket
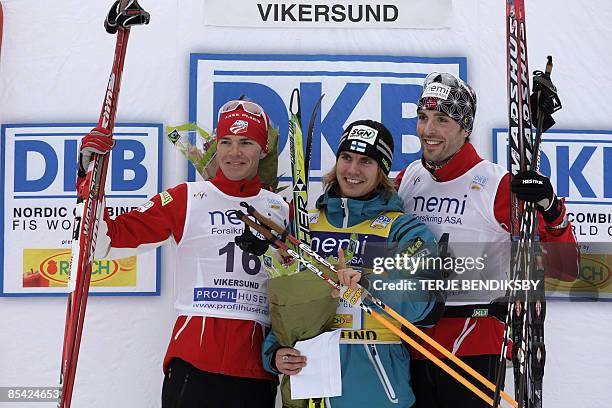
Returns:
(466,199)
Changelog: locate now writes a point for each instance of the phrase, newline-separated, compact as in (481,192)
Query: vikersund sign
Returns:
(579,164)
(329,14)
(383,88)
(39,165)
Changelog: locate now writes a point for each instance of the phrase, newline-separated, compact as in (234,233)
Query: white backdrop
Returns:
(54,67)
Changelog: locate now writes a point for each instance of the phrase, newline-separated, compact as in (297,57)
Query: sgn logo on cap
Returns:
(365,133)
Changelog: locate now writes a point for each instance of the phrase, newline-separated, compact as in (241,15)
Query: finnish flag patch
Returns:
(357,146)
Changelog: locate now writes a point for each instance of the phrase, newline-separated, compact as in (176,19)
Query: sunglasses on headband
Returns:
(247,106)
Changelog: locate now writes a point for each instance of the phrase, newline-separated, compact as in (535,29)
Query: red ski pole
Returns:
(123,14)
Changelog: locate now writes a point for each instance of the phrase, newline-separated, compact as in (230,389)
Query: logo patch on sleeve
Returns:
(166,198)
(413,247)
(381,222)
(145,206)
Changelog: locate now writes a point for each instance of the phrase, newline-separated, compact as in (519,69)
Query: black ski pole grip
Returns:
(264,230)
(124,14)
(237,213)
(267,234)
(549,66)
(257,227)
(246,205)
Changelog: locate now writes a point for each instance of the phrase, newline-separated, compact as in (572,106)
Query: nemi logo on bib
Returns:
(365,133)
(436,90)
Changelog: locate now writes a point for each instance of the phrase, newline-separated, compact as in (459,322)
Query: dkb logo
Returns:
(382,88)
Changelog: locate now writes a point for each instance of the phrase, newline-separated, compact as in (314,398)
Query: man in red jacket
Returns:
(214,356)
(456,192)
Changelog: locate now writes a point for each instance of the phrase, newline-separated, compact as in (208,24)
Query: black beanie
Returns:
(371,139)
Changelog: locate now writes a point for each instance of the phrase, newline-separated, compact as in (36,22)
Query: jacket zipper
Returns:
(344,205)
(380,371)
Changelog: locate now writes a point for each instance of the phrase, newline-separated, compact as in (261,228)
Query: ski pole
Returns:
(88,209)
(307,249)
(523,262)
(263,230)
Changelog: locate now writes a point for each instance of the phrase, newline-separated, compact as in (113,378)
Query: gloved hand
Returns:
(99,141)
(533,187)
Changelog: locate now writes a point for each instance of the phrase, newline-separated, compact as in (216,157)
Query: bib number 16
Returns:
(250,263)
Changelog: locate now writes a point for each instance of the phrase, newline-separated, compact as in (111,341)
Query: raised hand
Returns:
(98,141)
(347,276)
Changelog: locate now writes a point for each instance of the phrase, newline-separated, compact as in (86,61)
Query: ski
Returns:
(519,157)
(524,324)
(123,15)
(301,226)
(521,213)
(309,136)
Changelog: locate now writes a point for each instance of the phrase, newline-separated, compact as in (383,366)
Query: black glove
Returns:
(533,187)
(248,242)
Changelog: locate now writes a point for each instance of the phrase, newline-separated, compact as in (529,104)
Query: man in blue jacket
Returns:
(360,202)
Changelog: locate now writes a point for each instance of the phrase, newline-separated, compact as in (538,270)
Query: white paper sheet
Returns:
(321,377)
